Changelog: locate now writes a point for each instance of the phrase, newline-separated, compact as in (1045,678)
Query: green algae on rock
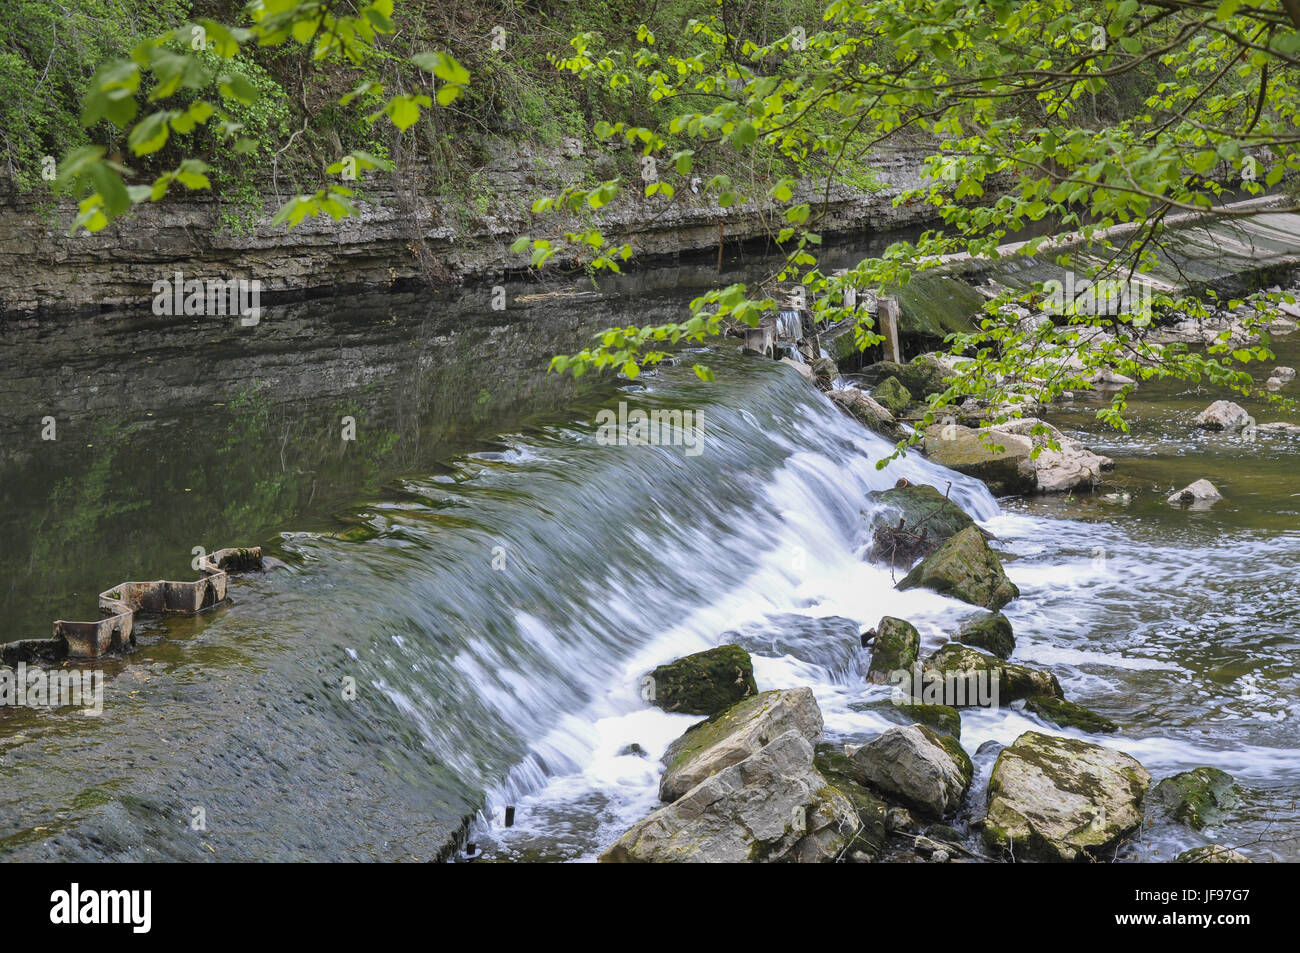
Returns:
(965,568)
(704,683)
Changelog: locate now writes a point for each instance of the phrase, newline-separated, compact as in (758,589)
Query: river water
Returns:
(466,595)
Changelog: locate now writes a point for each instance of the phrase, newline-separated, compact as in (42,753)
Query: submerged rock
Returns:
(771,806)
(1197,797)
(1223,415)
(1066,714)
(1058,799)
(1199,495)
(1212,854)
(1006,471)
(867,412)
(927,771)
(990,632)
(891,394)
(831,642)
(733,735)
(895,647)
(965,568)
(704,683)
(922,519)
(973,675)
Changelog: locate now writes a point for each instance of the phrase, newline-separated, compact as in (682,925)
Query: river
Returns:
(465,596)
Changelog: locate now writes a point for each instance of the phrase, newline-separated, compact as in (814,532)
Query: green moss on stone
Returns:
(705,683)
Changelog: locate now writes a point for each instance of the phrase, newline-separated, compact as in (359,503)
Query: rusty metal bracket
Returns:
(114,633)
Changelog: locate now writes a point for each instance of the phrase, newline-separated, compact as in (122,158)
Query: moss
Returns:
(1066,714)
(709,732)
(954,749)
(891,394)
(837,768)
(895,648)
(1013,682)
(921,378)
(1197,797)
(705,683)
(942,718)
(992,633)
(965,568)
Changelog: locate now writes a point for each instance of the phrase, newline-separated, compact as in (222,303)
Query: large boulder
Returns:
(1196,798)
(771,806)
(1223,415)
(991,632)
(965,568)
(927,771)
(1066,714)
(733,735)
(867,412)
(1058,799)
(894,648)
(967,675)
(1002,460)
(915,520)
(1071,467)
(704,683)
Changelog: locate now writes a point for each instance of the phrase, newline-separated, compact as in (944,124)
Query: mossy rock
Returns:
(895,648)
(928,519)
(957,666)
(704,683)
(1061,799)
(1197,797)
(891,394)
(992,633)
(965,568)
(837,768)
(922,377)
(1065,714)
(944,719)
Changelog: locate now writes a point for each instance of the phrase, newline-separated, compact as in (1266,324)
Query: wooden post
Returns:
(887,314)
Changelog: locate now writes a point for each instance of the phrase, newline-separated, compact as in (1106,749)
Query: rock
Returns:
(1279,427)
(892,395)
(837,768)
(944,719)
(867,412)
(1072,467)
(895,647)
(899,819)
(1284,374)
(1223,415)
(803,369)
(990,632)
(966,674)
(831,642)
(704,683)
(1066,714)
(965,568)
(733,735)
(1196,798)
(824,371)
(1005,471)
(633,749)
(771,806)
(926,375)
(1057,799)
(1199,495)
(1212,854)
(927,771)
(928,519)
